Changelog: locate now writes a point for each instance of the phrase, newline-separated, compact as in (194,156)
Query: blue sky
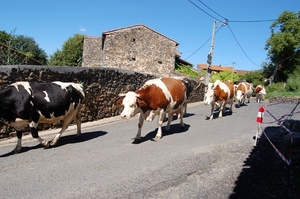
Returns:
(52,22)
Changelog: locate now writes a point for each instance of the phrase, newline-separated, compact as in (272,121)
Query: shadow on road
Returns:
(216,113)
(174,129)
(69,139)
(265,174)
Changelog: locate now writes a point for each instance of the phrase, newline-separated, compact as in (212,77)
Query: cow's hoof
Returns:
(158,137)
(15,151)
(47,144)
(77,137)
(136,141)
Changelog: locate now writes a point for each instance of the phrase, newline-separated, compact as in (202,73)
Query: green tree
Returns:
(255,77)
(224,76)
(283,47)
(8,53)
(14,44)
(29,47)
(71,53)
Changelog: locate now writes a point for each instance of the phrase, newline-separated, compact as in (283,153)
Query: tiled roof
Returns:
(216,68)
(222,68)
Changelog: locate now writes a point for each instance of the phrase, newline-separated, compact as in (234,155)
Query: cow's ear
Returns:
(122,94)
(140,102)
(120,101)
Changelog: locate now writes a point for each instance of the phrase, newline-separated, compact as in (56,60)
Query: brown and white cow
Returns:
(156,97)
(188,86)
(221,93)
(243,91)
(260,92)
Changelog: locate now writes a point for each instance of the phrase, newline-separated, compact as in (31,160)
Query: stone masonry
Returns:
(102,86)
(137,48)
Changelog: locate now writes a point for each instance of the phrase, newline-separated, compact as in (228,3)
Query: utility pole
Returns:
(210,54)
(233,63)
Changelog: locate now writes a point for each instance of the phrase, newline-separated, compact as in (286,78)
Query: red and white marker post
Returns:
(259,120)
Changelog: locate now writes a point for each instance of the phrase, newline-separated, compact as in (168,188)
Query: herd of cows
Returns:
(30,103)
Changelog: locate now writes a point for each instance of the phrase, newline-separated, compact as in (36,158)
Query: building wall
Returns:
(92,51)
(101,85)
(137,48)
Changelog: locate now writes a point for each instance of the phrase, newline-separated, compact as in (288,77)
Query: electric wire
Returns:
(253,21)
(226,23)
(244,21)
(241,46)
(203,43)
(212,10)
(203,10)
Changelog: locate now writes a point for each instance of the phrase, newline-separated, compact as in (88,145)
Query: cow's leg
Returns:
(160,120)
(137,138)
(34,133)
(222,108)
(212,111)
(54,141)
(239,104)
(182,109)
(19,142)
(78,123)
(231,103)
(67,121)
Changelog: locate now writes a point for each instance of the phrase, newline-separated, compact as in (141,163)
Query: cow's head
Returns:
(239,95)
(260,89)
(132,104)
(209,96)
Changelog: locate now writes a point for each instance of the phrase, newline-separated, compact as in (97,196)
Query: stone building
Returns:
(137,48)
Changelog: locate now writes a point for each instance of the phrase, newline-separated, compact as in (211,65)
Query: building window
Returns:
(159,61)
(133,39)
(132,58)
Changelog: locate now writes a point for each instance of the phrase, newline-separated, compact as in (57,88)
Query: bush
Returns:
(186,70)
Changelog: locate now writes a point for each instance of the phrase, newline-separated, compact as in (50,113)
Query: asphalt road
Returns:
(202,161)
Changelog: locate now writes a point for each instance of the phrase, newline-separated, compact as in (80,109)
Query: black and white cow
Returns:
(30,103)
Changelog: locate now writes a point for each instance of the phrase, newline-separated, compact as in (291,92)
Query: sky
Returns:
(239,44)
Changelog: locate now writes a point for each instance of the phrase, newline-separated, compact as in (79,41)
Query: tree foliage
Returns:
(186,70)
(71,53)
(255,77)
(283,46)
(224,76)
(23,44)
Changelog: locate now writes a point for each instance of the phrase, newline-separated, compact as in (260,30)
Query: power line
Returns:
(244,21)
(203,44)
(226,23)
(267,20)
(213,10)
(203,10)
(241,46)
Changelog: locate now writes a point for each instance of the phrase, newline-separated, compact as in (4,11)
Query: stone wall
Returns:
(92,51)
(102,86)
(137,48)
